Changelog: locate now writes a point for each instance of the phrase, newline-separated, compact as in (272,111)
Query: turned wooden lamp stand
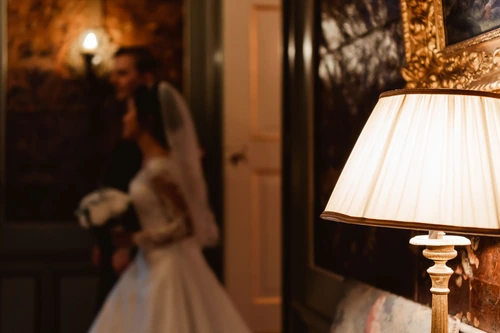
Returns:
(439,248)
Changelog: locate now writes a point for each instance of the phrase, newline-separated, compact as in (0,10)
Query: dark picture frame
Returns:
(468,19)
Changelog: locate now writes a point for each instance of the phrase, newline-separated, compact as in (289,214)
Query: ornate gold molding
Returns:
(471,64)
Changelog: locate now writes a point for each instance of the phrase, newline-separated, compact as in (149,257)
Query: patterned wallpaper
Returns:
(61,127)
(360,55)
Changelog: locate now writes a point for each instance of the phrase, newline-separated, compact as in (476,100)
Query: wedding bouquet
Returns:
(107,208)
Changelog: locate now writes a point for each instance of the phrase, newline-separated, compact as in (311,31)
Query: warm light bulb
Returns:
(90,42)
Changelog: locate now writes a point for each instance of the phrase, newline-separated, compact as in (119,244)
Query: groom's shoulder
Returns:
(126,150)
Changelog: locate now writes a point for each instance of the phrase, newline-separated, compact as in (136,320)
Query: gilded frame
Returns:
(471,64)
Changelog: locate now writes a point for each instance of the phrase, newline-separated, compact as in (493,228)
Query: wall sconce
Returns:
(90,42)
(89,48)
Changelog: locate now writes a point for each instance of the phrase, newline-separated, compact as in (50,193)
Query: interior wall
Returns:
(44,37)
(361,53)
(60,125)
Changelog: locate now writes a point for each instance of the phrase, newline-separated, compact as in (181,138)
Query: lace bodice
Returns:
(159,204)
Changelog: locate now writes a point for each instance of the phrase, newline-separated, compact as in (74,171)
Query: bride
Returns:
(169,288)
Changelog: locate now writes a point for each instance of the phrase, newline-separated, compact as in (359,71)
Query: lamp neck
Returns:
(433,234)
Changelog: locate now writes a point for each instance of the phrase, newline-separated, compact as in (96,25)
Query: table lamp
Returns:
(427,159)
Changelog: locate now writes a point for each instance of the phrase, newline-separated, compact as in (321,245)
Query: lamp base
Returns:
(440,249)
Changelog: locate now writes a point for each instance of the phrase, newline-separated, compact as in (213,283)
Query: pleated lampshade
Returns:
(427,159)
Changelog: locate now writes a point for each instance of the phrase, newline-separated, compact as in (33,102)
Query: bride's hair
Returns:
(149,116)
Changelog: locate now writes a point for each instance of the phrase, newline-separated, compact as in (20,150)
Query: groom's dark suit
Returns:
(122,165)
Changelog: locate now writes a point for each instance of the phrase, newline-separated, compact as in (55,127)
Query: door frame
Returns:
(309,295)
(297,204)
(203,65)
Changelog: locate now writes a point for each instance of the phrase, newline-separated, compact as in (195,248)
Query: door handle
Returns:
(238,157)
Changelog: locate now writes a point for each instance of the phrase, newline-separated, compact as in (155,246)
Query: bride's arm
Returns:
(177,224)
(165,187)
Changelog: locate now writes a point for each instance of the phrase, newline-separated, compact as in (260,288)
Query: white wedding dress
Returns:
(168,288)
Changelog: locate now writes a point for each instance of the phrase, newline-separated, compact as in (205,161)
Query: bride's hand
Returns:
(121,259)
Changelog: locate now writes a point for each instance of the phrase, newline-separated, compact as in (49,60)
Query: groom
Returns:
(133,66)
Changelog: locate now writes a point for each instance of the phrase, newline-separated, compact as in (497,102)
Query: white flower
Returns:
(100,206)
